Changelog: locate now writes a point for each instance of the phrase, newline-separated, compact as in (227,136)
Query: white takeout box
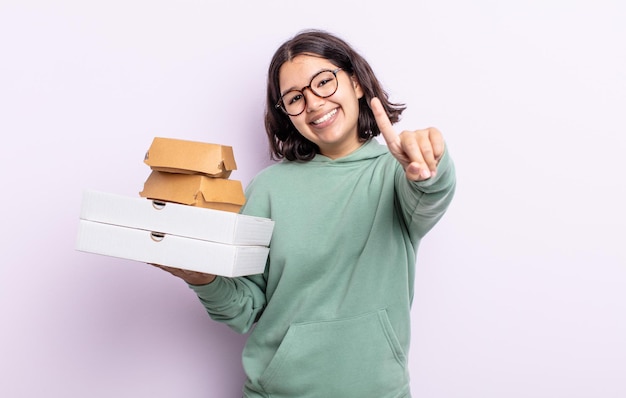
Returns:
(175,251)
(176,219)
(187,237)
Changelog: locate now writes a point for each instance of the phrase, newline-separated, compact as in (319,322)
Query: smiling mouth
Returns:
(325,117)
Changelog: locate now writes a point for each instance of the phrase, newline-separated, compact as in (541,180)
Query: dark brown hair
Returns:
(285,141)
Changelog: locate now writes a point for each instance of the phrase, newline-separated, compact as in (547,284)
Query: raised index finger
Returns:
(384,124)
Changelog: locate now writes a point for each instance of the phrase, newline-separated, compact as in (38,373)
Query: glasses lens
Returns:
(293,102)
(325,84)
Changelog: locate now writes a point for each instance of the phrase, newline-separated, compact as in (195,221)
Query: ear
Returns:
(357,87)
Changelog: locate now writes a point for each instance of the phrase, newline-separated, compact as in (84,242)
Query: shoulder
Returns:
(273,176)
(270,182)
(269,174)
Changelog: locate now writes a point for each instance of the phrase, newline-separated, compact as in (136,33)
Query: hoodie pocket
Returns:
(352,357)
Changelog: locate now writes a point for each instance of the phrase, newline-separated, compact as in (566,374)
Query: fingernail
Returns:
(426,173)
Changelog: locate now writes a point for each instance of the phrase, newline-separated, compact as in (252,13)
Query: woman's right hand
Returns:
(418,151)
(191,277)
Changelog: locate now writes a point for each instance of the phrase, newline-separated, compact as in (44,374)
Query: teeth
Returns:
(325,117)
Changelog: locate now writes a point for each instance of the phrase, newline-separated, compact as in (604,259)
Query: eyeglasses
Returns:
(323,84)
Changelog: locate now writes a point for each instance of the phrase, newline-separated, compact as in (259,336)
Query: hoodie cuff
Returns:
(214,291)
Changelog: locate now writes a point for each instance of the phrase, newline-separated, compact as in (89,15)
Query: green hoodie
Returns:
(332,309)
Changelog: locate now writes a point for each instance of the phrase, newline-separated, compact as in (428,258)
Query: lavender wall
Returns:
(520,288)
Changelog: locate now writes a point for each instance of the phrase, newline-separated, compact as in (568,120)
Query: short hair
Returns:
(284,139)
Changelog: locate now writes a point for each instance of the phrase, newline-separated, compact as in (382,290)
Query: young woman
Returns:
(332,309)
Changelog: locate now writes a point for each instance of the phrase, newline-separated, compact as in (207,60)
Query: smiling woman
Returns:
(332,308)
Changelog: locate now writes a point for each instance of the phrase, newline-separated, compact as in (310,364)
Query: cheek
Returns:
(351,98)
(299,124)
(354,108)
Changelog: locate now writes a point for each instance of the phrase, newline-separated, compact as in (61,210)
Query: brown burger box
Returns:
(190,157)
(195,190)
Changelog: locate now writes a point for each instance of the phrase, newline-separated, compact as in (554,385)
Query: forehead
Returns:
(299,71)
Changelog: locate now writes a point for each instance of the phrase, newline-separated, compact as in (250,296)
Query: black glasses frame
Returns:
(281,105)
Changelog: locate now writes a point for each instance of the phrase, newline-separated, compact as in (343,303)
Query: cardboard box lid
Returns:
(171,250)
(176,219)
(190,157)
(186,188)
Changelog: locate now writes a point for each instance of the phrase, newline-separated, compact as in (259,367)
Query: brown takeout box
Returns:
(190,157)
(195,190)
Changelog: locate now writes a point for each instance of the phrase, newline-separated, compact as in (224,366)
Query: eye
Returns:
(325,81)
(292,97)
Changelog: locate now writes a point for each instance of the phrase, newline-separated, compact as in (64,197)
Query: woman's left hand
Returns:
(418,151)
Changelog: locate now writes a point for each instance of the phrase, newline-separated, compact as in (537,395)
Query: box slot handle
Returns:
(157,236)
(157,204)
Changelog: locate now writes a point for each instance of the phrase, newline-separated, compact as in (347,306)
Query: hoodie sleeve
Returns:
(423,203)
(237,302)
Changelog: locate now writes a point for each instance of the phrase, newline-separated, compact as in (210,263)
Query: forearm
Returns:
(424,203)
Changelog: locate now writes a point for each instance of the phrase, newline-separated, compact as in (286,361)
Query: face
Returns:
(329,122)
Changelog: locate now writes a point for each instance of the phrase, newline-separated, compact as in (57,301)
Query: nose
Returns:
(313,102)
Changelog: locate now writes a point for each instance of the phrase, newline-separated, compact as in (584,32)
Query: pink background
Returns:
(520,288)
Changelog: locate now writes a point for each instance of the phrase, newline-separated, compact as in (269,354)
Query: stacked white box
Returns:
(194,238)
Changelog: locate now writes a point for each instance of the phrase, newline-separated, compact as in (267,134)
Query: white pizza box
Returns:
(171,250)
(176,219)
